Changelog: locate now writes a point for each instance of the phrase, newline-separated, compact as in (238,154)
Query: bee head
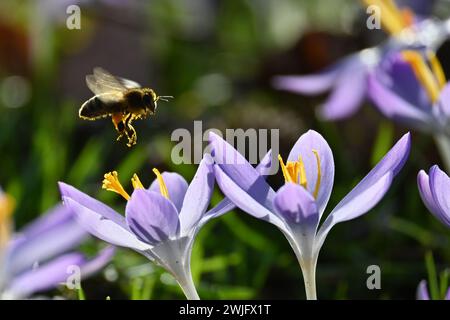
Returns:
(149,99)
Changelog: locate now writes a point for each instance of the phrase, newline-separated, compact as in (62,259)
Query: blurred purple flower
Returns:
(35,259)
(160,222)
(423,294)
(297,207)
(410,87)
(347,79)
(434,190)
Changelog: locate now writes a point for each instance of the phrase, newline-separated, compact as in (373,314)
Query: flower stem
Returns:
(443,145)
(186,283)
(309,277)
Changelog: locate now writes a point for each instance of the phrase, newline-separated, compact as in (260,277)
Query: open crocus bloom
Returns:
(434,191)
(423,294)
(410,87)
(347,79)
(297,207)
(160,222)
(35,259)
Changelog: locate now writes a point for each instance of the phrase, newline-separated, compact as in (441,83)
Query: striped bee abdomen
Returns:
(96,108)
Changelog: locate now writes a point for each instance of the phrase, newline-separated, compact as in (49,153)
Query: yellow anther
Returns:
(136,182)
(6,209)
(162,184)
(112,183)
(290,171)
(392,18)
(429,81)
(294,171)
(303,180)
(437,69)
(319,174)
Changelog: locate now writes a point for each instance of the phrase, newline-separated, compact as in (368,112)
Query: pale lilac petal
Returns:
(245,201)
(25,251)
(67,191)
(45,277)
(303,148)
(238,169)
(152,217)
(224,206)
(447,296)
(307,84)
(440,189)
(55,217)
(348,94)
(395,107)
(423,182)
(422,291)
(97,263)
(176,186)
(265,165)
(99,219)
(198,196)
(297,206)
(219,209)
(371,189)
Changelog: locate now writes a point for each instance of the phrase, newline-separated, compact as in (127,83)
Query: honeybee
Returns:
(122,99)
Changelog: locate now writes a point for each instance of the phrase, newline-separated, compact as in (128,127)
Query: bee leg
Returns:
(121,130)
(130,131)
(118,120)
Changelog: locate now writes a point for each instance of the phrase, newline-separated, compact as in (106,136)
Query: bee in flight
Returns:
(122,99)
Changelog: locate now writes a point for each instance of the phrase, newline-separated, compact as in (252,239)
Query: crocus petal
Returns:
(176,186)
(440,189)
(245,201)
(422,291)
(99,219)
(152,217)
(395,107)
(238,169)
(447,296)
(197,196)
(297,206)
(307,84)
(48,221)
(304,147)
(423,182)
(371,189)
(348,94)
(45,277)
(25,251)
(67,191)
(98,262)
(226,205)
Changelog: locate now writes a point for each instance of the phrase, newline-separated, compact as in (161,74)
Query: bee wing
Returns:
(102,82)
(103,76)
(129,84)
(99,86)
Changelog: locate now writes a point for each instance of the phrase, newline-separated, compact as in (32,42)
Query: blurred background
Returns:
(217,58)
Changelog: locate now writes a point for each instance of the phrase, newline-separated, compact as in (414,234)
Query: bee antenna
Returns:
(165,98)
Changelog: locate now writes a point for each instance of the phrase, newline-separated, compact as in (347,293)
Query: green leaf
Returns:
(383,141)
(432,276)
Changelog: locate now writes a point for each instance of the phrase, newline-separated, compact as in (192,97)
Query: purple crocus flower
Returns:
(410,87)
(434,190)
(423,294)
(35,258)
(347,79)
(160,222)
(297,207)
